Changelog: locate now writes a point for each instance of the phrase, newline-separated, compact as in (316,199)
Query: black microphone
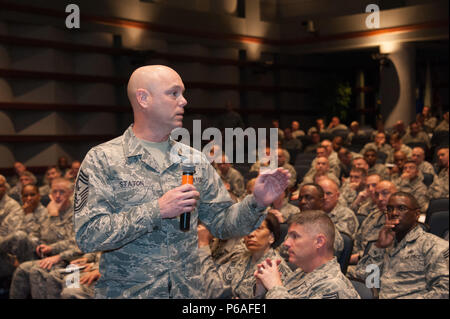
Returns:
(187,178)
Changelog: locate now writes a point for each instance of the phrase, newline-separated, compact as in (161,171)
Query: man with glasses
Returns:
(368,231)
(412,262)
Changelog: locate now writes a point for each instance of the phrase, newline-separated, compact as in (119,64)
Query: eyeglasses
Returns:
(400,208)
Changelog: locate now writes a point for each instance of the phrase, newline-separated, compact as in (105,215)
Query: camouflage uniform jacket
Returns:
(58,233)
(347,194)
(385,148)
(29,223)
(344,219)
(325,282)
(404,148)
(236,181)
(235,277)
(379,169)
(426,167)
(439,187)
(416,188)
(117,212)
(8,206)
(366,207)
(289,211)
(415,267)
(368,231)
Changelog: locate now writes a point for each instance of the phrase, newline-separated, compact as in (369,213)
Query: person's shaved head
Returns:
(146,78)
(156,95)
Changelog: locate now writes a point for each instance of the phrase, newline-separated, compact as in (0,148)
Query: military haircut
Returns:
(318,187)
(30,185)
(360,170)
(69,184)
(412,199)
(317,222)
(30,175)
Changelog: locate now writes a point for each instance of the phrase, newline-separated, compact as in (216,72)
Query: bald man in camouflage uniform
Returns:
(418,155)
(343,217)
(412,263)
(128,198)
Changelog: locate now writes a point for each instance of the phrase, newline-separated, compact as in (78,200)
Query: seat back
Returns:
(283,233)
(344,258)
(362,290)
(436,205)
(428,179)
(438,223)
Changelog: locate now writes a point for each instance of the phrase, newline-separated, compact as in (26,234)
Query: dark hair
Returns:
(359,170)
(31,185)
(318,187)
(274,226)
(411,197)
(410,161)
(371,149)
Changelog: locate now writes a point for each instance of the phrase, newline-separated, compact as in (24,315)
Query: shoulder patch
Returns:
(81,191)
(445,253)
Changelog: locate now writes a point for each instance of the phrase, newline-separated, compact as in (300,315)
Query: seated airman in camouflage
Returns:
(282,209)
(231,176)
(25,179)
(326,149)
(311,197)
(416,135)
(56,241)
(379,145)
(368,231)
(370,155)
(235,277)
(410,182)
(7,204)
(397,145)
(344,218)
(400,159)
(321,168)
(19,231)
(51,173)
(411,262)
(352,187)
(418,155)
(318,276)
(439,187)
(365,201)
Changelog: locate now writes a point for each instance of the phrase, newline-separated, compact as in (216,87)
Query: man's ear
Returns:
(143,97)
(321,241)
